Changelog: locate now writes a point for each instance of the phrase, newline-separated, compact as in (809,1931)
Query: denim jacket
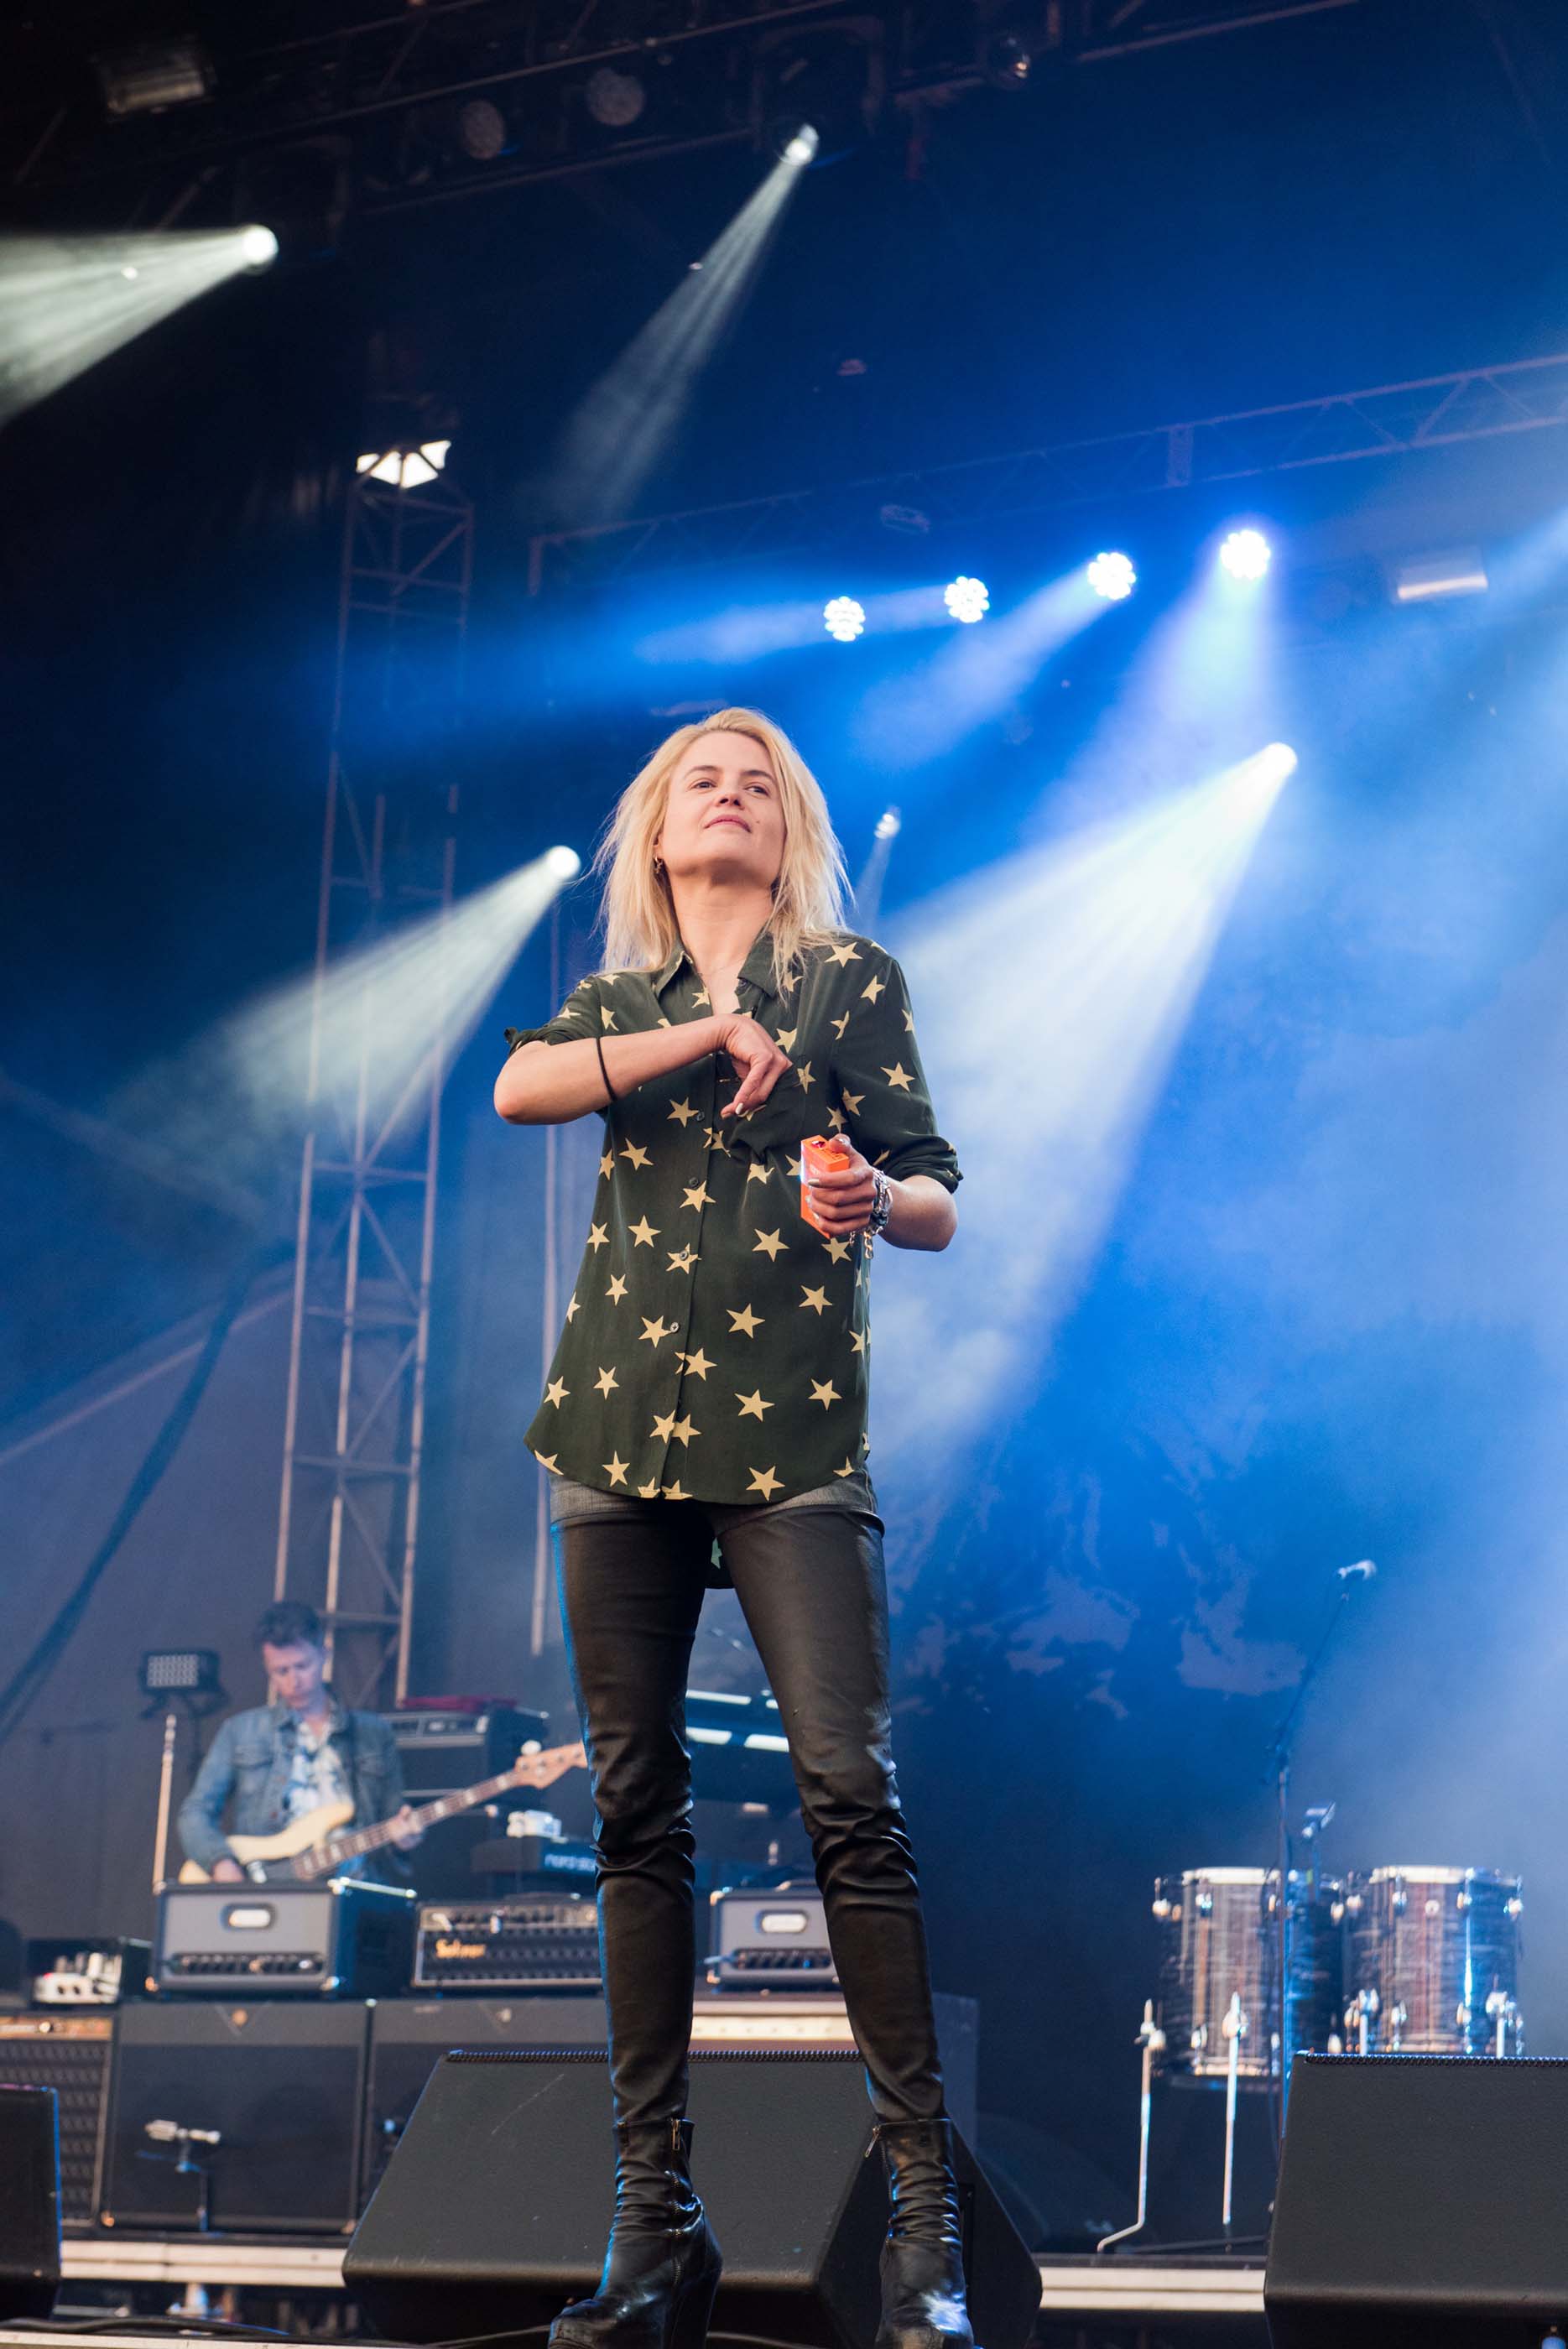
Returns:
(251,1758)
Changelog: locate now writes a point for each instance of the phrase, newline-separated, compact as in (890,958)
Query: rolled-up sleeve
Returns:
(582,1016)
(882,1086)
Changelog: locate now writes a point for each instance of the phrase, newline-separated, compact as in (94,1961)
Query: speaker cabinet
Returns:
(69,2053)
(283,2084)
(1420,2205)
(409,2036)
(494,2207)
(29,2203)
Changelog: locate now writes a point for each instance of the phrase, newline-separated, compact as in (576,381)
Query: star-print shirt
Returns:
(716,1347)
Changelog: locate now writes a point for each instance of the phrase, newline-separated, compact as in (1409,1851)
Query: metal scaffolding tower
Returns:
(354,1428)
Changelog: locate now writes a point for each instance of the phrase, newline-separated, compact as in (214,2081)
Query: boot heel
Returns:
(694,2314)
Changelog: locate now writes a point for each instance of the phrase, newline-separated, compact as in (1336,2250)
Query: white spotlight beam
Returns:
(236,1093)
(627,420)
(66,302)
(1093,949)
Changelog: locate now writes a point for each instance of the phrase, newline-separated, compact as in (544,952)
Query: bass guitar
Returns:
(313,1846)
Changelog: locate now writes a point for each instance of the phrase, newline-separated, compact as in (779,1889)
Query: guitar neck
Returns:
(538,1770)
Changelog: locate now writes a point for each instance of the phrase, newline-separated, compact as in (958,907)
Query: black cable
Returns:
(216,2328)
(33,1670)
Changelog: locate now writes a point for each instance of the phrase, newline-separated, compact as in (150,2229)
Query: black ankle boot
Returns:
(922,2259)
(662,2266)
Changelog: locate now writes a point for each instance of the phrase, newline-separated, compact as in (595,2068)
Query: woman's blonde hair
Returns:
(638,915)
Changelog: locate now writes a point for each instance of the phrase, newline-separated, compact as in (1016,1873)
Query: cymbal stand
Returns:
(1235,2030)
(1151,2038)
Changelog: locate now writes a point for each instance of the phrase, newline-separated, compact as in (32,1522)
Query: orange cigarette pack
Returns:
(820,1153)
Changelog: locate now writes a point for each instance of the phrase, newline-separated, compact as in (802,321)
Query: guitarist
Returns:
(282,1760)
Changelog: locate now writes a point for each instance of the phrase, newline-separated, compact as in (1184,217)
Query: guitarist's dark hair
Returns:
(289,1624)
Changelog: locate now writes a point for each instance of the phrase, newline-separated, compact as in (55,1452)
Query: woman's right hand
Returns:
(759,1060)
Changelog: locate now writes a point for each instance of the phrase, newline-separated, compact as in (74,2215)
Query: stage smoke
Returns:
(66,301)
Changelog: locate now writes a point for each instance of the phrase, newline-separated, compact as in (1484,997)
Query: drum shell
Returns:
(1216,1942)
(1427,1948)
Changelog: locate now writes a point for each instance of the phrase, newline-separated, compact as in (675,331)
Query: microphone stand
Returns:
(1278,1757)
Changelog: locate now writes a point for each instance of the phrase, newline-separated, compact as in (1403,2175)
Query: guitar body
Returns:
(300,1835)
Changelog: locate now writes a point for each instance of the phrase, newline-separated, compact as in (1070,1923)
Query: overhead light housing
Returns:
(613,99)
(1429,578)
(481,132)
(405,469)
(150,78)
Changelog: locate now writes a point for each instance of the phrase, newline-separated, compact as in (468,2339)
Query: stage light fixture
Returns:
(613,99)
(889,824)
(1246,555)
(820,89)
(1276,761)
(1112,577)
(801,149)
(149,80)
(844,619)
(563,863)
(966,599)
(258,248)
(405,469)
(482,130)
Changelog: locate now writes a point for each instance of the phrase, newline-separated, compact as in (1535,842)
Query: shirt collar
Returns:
(758,967)
(336,1715)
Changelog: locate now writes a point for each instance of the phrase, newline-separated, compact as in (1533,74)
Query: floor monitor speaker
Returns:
(1420,2205)
(29,2203)
(494,2207)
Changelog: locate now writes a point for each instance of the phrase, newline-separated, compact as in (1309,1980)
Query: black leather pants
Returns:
(810,1582)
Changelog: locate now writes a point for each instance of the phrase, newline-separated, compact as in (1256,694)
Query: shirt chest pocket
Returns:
(790,1112)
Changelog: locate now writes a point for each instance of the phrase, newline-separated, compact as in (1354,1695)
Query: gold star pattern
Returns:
(604,1381)
(898,1077)
(785,1038)
(768,1244)
(852,1103)
(682,1259)
(598,1238)
(683,1429)
(557,1391)
(664,1425)
(572,1310)
(703,997)
(545,1459)
(816,1299)
(643,1232)
(606,1015)
(751,1405)
(804,1073)
(823,1392)
(634,1154)
(847,1469)
(836,1119)
(874,989)
(617,1288)
(792,1168)
(674,1492)
(648,1492)
(616,1468)
(696,1196)
(744,1321)
(858,1343)
(682,1111)
(837,1250)
(908,1023)
(606,1163)
(764,1482)
(654,1331)
(842,953)
(697,1365)
(757,1171)
(840,1024)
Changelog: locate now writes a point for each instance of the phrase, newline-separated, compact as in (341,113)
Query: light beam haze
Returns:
(1051,994)
(66,302)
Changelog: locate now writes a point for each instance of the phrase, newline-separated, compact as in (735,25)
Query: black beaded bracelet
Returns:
(603,1072)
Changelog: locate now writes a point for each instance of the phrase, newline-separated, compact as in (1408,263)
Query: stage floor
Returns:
(1070,2288)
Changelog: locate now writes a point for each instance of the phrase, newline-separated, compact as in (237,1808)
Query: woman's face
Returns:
(723,820)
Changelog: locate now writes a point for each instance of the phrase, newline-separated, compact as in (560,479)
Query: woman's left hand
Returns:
(843,1196)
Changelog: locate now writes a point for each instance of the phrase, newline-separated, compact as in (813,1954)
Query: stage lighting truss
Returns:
(844,619)
(1246,555)
(150,79)
(405,469)
(817,93)
(968,600)
(1112,577)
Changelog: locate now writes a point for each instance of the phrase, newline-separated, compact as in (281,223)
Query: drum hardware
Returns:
(1151,2039)
(1433,1966)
